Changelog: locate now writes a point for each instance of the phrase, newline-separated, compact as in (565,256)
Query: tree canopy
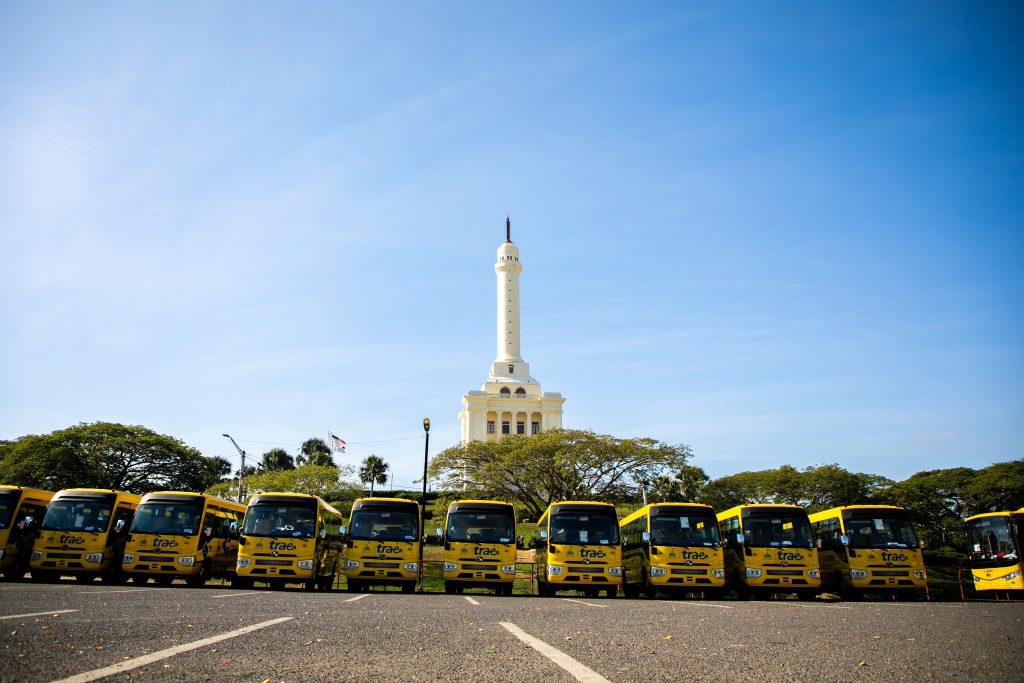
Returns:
(330,483)
(373,471)
(314,452)
(815,488)
(110,456)
(277,460)
(557,465)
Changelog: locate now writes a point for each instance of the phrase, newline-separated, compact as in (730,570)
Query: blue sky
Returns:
(777,233)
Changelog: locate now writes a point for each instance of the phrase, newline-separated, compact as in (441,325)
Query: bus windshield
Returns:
(880,531)
(370,524)
(78,514)
(294,521)
(775,529)
(8,503)
(481,527)
(584,528)
(991,543)
(680,529)
(177,518)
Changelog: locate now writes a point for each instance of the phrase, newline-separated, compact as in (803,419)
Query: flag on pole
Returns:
(337,445)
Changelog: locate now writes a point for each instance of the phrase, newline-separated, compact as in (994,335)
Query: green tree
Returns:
(106,455)
(691,482)
(373,471)
(557,465)
(330,483)
(816,488)
(314,452)
(277,460)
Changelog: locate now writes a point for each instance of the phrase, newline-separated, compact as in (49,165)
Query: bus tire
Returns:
(324,583)
(84,578)
(807,594)
(714,593)
(507,591)
(43,576)
(449,587)
(115,578)
(197,581)
(612,592)
(409,586)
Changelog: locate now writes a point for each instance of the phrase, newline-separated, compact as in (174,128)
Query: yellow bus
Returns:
(182,535)
(21,511)
(578,548)
(479,546)
(995,541)
(289,538)
(83,535)
(383,544)
(867,549)
(672,547)
(769,549)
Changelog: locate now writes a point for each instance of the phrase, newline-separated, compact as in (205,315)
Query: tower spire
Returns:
(508,229)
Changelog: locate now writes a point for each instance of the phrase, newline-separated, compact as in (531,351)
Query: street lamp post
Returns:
(423,497)
(241,470)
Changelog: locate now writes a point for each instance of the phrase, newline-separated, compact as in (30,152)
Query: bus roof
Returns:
(38,493)
(122,495)
(1004,513)
(733,511)
(377,499)
(647,509)
(574,503)
(838,510)
(470,501)
(223,502)
(292,494)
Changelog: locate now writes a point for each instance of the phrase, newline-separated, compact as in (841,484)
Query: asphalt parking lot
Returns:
(95,632)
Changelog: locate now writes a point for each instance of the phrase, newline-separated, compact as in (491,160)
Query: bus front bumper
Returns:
(381,570)
(70,562)
(584,575)
(297,568)
(686,577)
(162,565)
(479,573)
(790,578)
(906,578)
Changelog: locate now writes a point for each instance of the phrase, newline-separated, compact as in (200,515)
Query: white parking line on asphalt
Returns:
(815,606)
(135,663)
(127,590)
(577,670)
(38,614)
(701,604)
(592,604)
(235,595)
(358,597)
(471,600)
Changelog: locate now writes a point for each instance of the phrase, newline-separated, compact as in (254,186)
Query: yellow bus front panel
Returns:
(672,547)
(995,541)
(479,546)
(688,568)
(583,567)
(285,559)
(21,514)
(579,548)
(382,562)
(383,543)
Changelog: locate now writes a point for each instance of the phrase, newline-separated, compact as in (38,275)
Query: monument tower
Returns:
(510,401)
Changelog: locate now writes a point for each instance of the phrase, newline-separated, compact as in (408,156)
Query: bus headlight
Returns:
(127,559)
(304,564)
(615,571)
(351,564)
(753,573)
(814,573)
(243,562)
(411,566)
(658,571)
(94,558)
(554,570)
(1013,575)
(858,574)
(450,566)
(718,573)
(921,574)
(36,556)
(187,561)
(508,569)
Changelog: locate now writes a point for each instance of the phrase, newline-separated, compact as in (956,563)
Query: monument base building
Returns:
(511,400)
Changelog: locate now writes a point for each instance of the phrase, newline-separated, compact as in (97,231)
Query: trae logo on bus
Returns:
(72,540)
(282,545)
(894,557)
(592,553)
(694,555)
(478,551)
(783,555)
(164,543)
(381,548)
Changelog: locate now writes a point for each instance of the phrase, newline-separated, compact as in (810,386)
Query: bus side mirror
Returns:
(28,522)
(233,528)
(520,543)
(740,539)
(323,533)
(543,535)
(647,536)
(208,531)
(343,530)
(440,533)
(118,525)
(845,540)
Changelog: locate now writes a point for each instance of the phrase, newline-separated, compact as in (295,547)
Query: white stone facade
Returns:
(510,401)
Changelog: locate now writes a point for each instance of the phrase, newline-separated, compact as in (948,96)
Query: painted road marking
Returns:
(233,595)
(135,663)
(471,600)
(592,604)
(358,597)
(812,606)
(701,604)
(128,590)
(577,670)
(38,614)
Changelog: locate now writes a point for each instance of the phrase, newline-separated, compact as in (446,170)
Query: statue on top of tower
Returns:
(508,229)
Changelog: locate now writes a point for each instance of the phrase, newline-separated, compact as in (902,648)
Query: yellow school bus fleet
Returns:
(83,535)
(21,512)
(383,544)
(769,549)
(869,549)
(289,537)
(578,549)
(182,535)
(672,547)
(479,546)
(995,542)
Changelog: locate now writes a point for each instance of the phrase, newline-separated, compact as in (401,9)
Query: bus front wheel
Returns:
(241,582)
(409,587)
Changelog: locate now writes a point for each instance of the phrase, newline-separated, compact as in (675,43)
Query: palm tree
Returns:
(373,471)
(277,460)
(314,452)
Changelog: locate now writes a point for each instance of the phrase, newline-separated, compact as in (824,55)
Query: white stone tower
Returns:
(510,401)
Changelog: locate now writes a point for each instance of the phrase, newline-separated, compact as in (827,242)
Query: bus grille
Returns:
(154,558)
(586,570)
(66,556)
(480,567)
(381,565)
(785,572)
(274,563)
(890,573)
(690,572)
